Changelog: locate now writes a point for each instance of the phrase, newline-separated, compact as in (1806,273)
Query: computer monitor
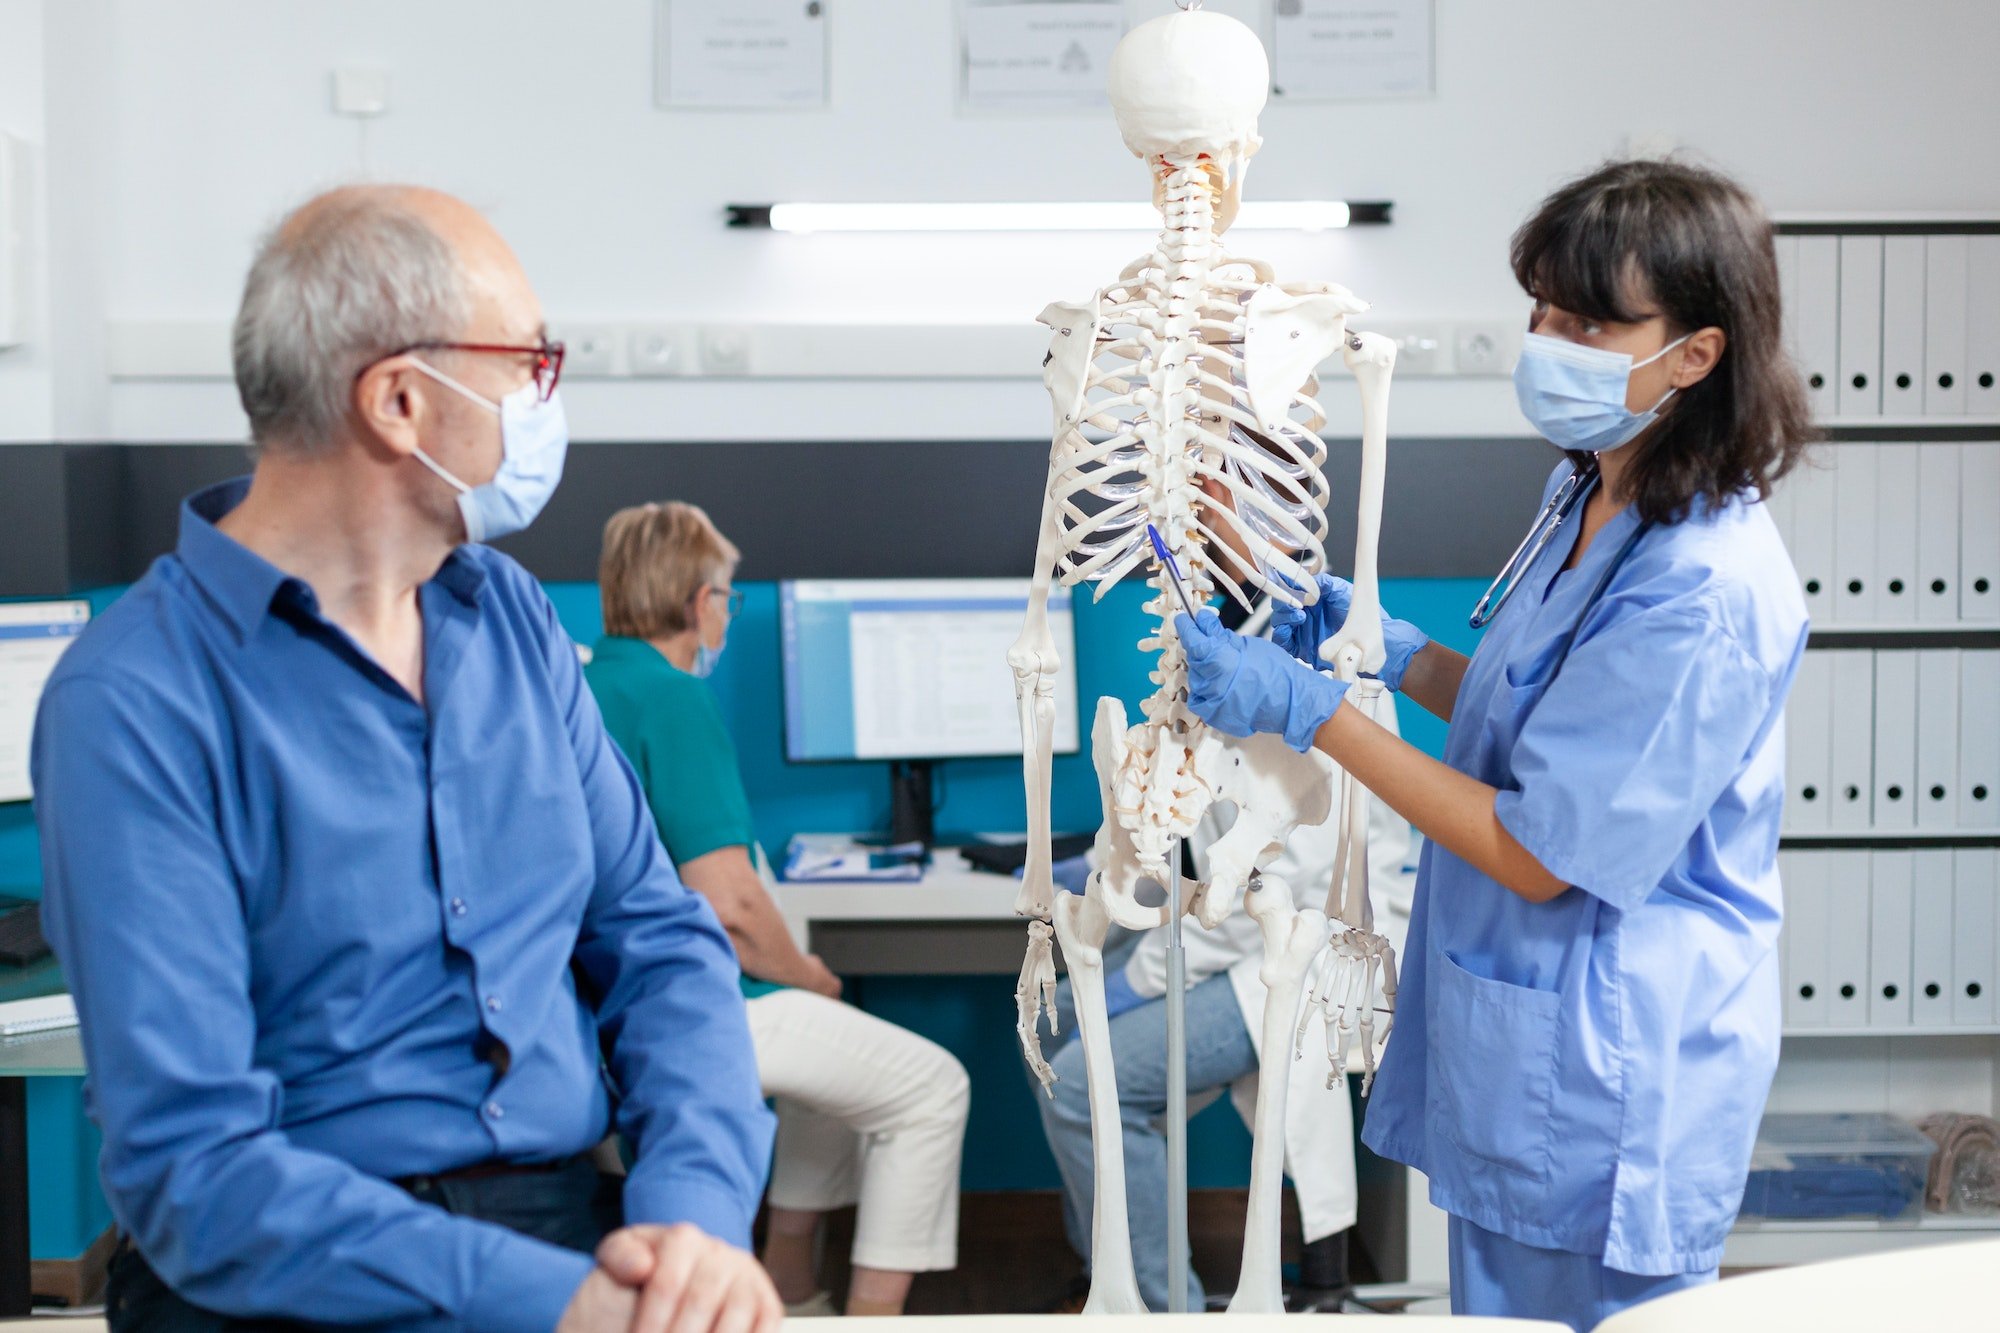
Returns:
(912,671)
(32,636)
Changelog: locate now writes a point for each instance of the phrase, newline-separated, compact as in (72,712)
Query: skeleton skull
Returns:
(1192,83)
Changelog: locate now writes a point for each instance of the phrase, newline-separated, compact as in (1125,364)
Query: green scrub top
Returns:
(667,723)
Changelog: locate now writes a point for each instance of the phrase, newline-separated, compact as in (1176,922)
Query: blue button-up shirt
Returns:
(323,936)
(1587,1074)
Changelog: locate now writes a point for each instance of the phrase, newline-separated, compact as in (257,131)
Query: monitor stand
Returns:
(910,809)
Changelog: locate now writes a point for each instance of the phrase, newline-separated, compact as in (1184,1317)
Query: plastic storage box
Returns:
(1828,1166)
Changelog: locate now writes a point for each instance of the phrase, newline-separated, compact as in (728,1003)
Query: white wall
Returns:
(208,117)
(26,405)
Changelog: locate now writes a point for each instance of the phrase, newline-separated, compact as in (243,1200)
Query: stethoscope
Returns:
(1574,489)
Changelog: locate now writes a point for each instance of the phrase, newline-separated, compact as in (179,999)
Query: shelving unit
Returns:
(1881,312)
(1771,1244)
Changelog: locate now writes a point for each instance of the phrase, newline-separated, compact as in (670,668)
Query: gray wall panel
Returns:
(34,532)
(82,515)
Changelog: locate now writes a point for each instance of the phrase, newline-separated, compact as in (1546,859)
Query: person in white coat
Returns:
(1225,1013)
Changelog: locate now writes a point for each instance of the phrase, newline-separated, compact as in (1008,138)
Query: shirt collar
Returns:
(621,648)
(240,581)
(245,585)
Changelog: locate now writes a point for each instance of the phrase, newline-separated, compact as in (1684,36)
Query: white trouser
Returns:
(868,1113)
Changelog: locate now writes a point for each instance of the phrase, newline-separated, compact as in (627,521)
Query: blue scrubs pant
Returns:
(1493,1274)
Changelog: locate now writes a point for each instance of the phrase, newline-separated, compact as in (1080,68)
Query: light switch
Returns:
(360,92)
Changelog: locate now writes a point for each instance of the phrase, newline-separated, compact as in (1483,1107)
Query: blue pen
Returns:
(1173,569)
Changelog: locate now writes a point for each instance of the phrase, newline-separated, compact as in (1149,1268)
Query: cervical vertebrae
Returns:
(1182,397)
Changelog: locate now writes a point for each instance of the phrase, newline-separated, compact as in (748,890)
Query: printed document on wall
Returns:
(1351,50)
(741,55)
(1050,55)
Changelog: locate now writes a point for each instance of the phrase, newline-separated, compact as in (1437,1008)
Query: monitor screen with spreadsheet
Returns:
(912,668)
(32,636)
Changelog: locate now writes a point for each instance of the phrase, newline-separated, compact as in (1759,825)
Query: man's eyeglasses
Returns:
(734,596)
(548,358)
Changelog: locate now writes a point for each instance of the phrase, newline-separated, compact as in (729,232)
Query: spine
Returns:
(1188,245)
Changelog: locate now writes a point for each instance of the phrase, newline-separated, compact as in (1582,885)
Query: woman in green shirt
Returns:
(868,1112)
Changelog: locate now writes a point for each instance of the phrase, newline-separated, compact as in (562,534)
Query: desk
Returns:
(957,921)
(57,1054)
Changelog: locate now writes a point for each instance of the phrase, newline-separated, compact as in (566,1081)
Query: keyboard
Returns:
(21,939)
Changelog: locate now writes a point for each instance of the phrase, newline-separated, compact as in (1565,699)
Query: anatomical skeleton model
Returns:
(1196,368)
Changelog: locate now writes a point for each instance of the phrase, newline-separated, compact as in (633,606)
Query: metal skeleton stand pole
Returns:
(1177,1219)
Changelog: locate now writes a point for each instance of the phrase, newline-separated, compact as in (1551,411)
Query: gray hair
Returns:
(344,279)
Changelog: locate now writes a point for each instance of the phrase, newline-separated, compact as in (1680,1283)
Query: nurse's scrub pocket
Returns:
(1493,1067)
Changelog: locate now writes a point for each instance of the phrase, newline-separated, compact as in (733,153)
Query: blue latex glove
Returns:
(1072,872)
(1241,686)
(1301,630)
(1119,995)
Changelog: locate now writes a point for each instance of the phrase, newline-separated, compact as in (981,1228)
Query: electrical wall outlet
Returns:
(590,351)
(725,351)
(1487,347)
(653,351)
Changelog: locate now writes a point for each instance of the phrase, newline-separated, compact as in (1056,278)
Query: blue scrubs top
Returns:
(1587,1074)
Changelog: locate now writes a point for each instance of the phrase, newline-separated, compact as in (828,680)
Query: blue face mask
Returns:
(1575,395)
(534,440)
(706,657)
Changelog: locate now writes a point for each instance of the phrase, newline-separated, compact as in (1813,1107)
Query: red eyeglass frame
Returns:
(548,358)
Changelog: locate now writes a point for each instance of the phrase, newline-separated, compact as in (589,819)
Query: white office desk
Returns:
(950,890)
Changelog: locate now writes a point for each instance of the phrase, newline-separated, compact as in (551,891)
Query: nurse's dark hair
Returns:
(1668,237)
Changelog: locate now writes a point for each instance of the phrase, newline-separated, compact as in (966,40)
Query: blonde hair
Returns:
(657,557)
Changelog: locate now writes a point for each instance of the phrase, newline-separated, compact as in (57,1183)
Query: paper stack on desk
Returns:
(21,1018)
(832,856)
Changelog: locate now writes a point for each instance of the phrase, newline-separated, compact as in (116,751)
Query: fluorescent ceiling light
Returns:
(1258,215)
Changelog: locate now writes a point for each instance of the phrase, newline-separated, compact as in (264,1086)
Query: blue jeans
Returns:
(572,1206)
(1219,1052)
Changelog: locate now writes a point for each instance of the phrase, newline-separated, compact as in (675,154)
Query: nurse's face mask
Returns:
(1575,395)
(726,601)
(534,441)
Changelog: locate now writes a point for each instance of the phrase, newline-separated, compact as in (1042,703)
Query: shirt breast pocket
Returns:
(1493,1067)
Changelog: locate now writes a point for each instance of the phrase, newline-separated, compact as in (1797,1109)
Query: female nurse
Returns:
(1589,1015)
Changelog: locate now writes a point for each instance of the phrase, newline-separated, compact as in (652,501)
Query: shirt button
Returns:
(495,1111)
(493,1004)
(458,907)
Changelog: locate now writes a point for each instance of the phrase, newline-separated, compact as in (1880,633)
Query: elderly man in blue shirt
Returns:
(367,921)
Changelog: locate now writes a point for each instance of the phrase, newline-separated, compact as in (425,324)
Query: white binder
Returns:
(1895,741)
(1889,909)
(1850,761)
(1847,940)
(1982,326)
(1938,504)
(1973,912)
(1979,739)
(1812,486)
(1896,483)
(1903,281)
(1778,504)
(1818,320)
(1979,532)
(1785,249)
(1944,325)
(1858,396)
(1802,876)
(1937,739)
(1808,746)
(1855,540)
(1930,938)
